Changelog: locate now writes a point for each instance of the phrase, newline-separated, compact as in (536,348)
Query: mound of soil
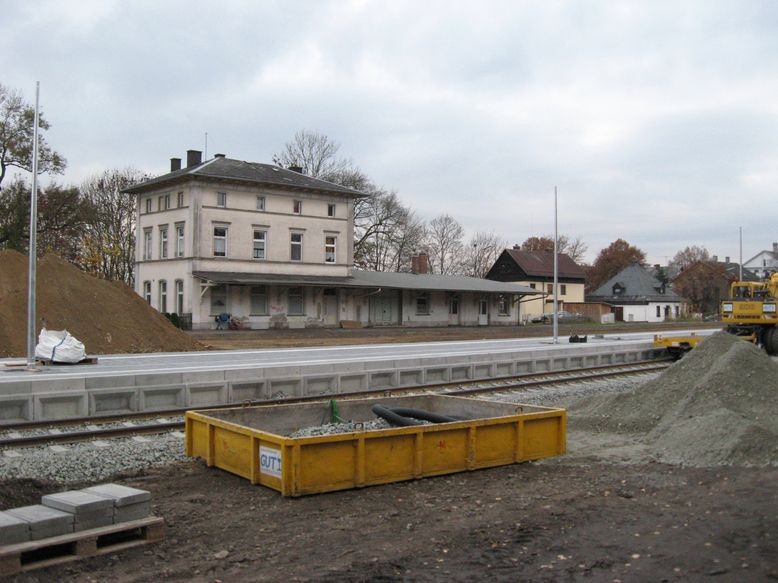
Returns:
(716,406)
(107,316)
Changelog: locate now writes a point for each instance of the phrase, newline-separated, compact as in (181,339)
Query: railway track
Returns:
(30,434)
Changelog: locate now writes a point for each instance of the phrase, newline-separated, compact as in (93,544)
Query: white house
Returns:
(274,248)
(764,262)
(637,296)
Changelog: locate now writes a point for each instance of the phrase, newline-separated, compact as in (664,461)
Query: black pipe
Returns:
(393,418)
(424,415)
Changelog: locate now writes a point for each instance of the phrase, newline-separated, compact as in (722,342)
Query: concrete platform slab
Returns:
(44,521)
(77,502)
(121,495)
(13,530)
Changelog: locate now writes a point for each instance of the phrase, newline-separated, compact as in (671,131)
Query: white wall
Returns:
(647,313)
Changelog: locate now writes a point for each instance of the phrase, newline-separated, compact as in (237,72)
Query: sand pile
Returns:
(716,406)
(108,317)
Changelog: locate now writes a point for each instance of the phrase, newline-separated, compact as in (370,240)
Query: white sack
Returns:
(59,346)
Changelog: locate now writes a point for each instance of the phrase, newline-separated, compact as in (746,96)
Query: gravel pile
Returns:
(335,428)
(716,406)
(86,462)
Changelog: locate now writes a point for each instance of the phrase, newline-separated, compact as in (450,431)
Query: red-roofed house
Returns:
(535,269)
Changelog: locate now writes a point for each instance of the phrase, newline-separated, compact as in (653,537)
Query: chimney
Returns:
(193,158)
(219,156)
(517,247)
(175,164)
(298,169)
(424,263)
(775,247)
(414,264)
(726,259)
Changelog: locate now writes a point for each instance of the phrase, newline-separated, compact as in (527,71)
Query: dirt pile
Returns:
(108,317)
(716,406)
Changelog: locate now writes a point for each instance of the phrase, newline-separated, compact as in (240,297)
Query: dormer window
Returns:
(618,289)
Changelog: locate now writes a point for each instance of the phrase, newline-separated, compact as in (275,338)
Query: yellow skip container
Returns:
(252,442)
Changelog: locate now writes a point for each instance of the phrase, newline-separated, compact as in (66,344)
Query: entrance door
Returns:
(385,309)
(453,311)
(483,312)
(330,307)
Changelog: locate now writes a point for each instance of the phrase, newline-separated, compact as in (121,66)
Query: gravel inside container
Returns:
(255,442)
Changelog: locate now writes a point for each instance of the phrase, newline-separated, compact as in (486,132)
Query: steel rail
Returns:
(527,381)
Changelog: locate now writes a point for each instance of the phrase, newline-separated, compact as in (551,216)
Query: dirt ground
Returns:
(246,339)
(546,521)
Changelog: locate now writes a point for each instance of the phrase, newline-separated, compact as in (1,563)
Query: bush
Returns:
(174,319)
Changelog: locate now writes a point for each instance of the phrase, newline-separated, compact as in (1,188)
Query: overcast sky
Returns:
(658,121)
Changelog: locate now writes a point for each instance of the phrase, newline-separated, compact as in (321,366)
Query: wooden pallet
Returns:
(77,545)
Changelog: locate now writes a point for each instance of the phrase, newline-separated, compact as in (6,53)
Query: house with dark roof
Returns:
(637,296)
(764,262)
(274,248)
(535,269)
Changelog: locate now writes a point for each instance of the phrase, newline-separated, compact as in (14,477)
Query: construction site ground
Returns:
(610,509)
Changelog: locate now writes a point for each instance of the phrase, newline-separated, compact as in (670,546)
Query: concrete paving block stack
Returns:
(88,510)
(13,530)
(44,522)
(128,503)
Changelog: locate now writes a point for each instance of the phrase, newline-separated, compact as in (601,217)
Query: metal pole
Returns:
(33,250)
(741,254)
(206,146)
(556,272)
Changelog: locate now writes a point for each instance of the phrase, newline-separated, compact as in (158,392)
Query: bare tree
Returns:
(481,253)
(317,155)
(109,236)
(16,137)
(444,245)
(386,233)
(688,256)
(574,248)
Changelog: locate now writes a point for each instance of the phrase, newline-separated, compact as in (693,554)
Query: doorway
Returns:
(483,312)
(330,304)
(453,311)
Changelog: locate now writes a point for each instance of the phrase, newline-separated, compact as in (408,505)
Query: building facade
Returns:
(535,269)
(637,296)
(274,248)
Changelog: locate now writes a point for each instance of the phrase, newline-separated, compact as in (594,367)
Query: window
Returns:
(532,285)
(258,300)
(148,205)
(167,201)
(329,249)
(218,299)
(422,304)
(503,306)
(330,210)
(549,288)
(179,297)
(454,306)
(179,240)
(295,300)
(562,290)
(260,203)
(161,203)
(296,249)
(297,207)
(658,311)
(147,290)
(220,241)
(162,296)
(147,243)
(180,199)
(221,199)
(163,242)
(259,244)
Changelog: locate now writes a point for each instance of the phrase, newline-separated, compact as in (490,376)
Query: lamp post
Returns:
(33,242)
